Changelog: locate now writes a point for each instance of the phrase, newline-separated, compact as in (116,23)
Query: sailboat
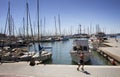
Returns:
(43,54)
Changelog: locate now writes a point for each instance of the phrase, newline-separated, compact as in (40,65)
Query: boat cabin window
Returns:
(77,48)
(85,48)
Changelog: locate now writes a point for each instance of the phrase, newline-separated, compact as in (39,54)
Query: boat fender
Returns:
(113,62)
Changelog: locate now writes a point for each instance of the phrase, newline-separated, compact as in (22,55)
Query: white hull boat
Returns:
(45,55)
(80,46)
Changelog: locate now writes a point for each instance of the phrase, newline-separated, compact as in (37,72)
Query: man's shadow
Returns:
(86,72)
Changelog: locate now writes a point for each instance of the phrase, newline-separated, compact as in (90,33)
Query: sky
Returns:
(88,13)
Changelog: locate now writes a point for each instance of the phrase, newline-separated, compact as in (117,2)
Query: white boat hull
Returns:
(44,56)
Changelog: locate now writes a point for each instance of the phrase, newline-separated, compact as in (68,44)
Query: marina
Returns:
(59,38)
(61,54)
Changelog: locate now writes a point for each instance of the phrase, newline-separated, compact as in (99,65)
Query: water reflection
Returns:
(97,59)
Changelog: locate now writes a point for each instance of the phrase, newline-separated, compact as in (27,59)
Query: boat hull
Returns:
(44,56)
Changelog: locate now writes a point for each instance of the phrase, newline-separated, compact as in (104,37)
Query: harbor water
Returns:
(61,53)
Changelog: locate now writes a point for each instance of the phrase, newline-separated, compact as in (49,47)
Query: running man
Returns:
(81,62)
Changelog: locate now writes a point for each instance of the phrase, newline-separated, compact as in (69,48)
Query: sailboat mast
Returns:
(44,26)
(12,26)
(6,23)
(59,23)
(55,26)
(24,27)
(9,18)
(90,28)
(38,18)
(39,47)
(71,28)
(80,28)
(27,19)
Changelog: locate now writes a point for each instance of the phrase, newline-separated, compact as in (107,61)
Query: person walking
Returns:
(81,61)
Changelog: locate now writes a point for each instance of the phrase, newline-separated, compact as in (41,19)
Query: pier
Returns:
(23,69)
(111,51)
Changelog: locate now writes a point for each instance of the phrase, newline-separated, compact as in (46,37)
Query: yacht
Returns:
(78,47)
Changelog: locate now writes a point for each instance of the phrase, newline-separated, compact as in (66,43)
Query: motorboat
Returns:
(80,46)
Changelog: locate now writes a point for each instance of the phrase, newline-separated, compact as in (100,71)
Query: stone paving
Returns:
(22,69)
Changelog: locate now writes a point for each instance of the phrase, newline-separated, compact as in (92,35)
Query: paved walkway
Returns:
(114,50)
(112,42)
(22,69)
